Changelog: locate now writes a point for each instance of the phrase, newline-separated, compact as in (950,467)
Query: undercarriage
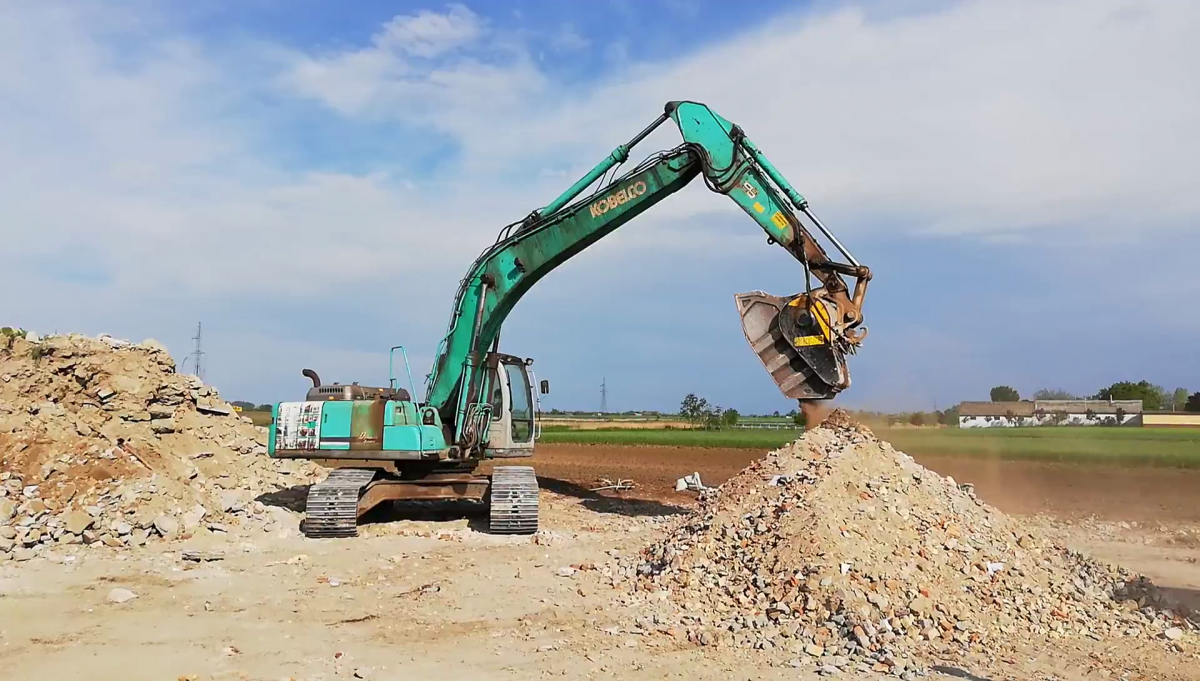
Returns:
(336,504)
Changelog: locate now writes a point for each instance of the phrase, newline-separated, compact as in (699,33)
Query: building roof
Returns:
(1097,406)
(1031,407)
(1024,408)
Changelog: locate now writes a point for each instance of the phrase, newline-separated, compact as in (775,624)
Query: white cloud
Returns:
(138,159)
(126,150)
(428,34)
(421,68)
(568,39)
(983,116)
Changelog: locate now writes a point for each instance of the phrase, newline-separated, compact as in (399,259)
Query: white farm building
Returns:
(1049,413)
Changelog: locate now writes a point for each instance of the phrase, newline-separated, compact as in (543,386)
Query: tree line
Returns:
(1153,397)
(697,411)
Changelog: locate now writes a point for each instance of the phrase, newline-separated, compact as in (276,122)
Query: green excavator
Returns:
(482,404)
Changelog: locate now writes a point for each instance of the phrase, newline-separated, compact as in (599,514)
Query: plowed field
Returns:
(1068,491)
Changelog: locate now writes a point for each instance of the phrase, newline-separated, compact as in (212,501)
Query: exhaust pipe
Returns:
(312,376)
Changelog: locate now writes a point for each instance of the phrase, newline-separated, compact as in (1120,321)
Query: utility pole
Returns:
(604,396)
(197,354)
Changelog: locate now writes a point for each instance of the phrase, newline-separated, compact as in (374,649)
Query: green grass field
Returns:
(1123,446)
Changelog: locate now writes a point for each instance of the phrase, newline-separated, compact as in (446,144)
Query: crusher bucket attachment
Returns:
(793,339)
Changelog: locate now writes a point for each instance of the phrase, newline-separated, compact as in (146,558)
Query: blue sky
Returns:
(310,179)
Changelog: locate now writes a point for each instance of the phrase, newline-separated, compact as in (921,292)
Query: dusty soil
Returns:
(425,594)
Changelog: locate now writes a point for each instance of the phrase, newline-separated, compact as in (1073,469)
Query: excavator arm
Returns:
(801,339)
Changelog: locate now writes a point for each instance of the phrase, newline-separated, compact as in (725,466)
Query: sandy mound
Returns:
(847,554)
(102,442)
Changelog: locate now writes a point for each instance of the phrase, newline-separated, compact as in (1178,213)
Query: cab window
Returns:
(522,408)
(496,394)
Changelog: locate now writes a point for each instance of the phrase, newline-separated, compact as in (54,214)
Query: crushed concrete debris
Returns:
(102,443)
(840,550)
(690,482)
(121,596)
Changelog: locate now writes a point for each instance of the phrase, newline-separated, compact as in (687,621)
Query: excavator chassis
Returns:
(335,504)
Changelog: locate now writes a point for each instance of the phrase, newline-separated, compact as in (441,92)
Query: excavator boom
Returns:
(801,339)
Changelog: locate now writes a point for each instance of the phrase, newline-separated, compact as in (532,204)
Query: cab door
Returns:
(511,433)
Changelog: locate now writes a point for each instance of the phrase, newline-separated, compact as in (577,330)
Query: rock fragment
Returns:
(120,596)
(166,525)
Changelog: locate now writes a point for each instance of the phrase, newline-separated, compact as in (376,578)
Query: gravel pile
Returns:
(103,443)
(841,552)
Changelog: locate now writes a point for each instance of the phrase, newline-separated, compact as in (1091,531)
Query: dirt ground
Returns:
(1064,490)
(424,593)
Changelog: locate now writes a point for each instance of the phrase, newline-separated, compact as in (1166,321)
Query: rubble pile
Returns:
(841,552)
(102,442)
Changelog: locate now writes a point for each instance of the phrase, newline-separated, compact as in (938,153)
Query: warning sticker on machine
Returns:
(779,220)
(298,426)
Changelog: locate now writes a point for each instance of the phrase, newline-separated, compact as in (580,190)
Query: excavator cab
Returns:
(516,417)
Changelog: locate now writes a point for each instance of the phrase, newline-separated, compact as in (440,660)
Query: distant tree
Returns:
(712,417)
(917,418)
(1003,393)
(730,418)
(693,409)
(1152,396)
(1193,403)
(264,407)
(949,417)
(775,413)
(1177,400)
(1053,394)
